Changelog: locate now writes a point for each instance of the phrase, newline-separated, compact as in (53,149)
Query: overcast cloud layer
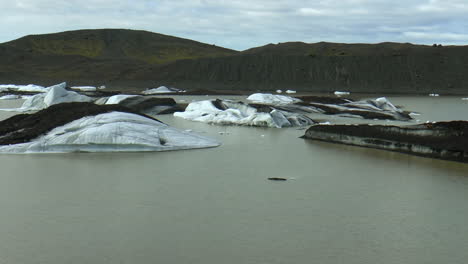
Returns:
(242,24)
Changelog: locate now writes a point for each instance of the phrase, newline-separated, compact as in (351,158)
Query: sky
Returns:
(243,24)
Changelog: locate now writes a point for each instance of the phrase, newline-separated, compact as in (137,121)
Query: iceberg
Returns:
(22,88)
(227,112)
(266,98)
(98,129)
(443,140)
(338,93)
(379,108)
(161,89)
(116,99)
(56,94)
(290,91)
(84,88)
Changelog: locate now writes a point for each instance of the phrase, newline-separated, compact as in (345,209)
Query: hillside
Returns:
(129,59)
(95,55)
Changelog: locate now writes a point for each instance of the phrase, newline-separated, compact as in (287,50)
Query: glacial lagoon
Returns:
(340,204)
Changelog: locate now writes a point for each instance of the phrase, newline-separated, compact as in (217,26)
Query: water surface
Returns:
(341,204)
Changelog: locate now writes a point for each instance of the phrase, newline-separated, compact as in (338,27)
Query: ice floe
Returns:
(338,93)
(23,88)
(84,88)
(434,94)
(10,97)
(227,112)
(290,91)
(161,89)
(112,132)
(267,98)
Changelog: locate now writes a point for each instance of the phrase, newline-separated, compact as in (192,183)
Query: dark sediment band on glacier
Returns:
(25,127)
(441,140)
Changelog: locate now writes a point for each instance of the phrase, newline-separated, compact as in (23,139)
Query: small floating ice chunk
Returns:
(341,93)
(290,91)
(279,91)
(161,89)
(465,99)
(84,88)
(434,94)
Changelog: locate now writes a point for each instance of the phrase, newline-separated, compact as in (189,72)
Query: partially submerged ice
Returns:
(227,112)
(442,140)
(379,108)
(86,127)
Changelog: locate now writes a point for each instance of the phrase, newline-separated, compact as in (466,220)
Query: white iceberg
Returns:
(84,88)
(338,93)
(56,94)
(238,113)
(267,98)
(112,132)
(279,91)
(161,89)
(23,88)
(434,94)
(290,91)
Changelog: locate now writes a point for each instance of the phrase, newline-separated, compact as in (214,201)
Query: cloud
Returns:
(242,24)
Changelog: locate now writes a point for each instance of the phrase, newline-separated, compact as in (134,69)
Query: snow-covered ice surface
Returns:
(115,99)
(23,88)
(56,94)
(266,98)
(112,132)
(238,113)
(161,89)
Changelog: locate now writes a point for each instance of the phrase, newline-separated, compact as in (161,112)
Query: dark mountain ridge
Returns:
(140,59)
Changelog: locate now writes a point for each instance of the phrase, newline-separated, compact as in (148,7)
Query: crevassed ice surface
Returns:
(238,114)
(267,98)
(112,132)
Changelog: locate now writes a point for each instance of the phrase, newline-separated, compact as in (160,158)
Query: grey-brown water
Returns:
(341,204)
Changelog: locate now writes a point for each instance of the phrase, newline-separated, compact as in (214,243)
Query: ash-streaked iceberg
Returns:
(379,108)
(98,129)
(227,112)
